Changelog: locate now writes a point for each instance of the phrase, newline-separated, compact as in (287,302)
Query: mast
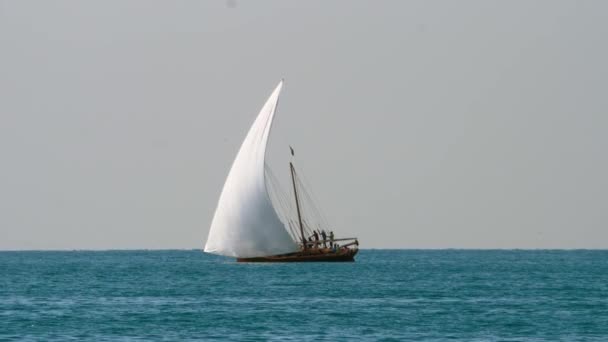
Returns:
(295,192)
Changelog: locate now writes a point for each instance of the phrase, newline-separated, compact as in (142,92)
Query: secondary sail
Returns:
(245,223)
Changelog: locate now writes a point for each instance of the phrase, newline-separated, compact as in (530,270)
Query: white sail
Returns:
(245,223)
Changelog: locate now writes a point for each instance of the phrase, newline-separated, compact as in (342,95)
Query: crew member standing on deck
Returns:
(331,238)
(324,238)
(316,238)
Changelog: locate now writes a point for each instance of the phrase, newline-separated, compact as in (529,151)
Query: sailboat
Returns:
(249,226)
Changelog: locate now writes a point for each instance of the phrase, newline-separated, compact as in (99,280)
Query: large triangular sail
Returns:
(245,223)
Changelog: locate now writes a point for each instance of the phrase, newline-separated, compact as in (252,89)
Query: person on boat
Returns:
(331,238)
(324,235)
(314,233)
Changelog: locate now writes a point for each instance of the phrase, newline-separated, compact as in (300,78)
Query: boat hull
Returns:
(321,255)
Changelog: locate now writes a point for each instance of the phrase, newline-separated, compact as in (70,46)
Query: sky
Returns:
(419,124)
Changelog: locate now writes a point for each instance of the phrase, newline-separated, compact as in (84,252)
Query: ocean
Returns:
(386,295)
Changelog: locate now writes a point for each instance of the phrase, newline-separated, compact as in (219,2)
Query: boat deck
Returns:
(309,255)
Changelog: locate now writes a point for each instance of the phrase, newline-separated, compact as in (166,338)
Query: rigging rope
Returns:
(284,209)
(312,211)
(313,218)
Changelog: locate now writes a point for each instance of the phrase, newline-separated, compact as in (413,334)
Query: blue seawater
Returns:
(386,295)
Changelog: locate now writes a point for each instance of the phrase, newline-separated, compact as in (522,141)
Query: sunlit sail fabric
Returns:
(245,223)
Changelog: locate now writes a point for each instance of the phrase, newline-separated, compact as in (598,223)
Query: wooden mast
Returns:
(295,192)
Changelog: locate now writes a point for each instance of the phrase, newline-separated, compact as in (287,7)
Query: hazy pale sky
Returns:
(420,124)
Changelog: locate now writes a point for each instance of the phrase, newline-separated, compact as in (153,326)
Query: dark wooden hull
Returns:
(316,255)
